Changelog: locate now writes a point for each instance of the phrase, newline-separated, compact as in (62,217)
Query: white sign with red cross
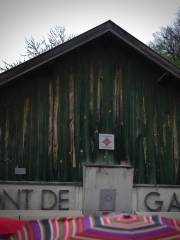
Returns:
(106,141)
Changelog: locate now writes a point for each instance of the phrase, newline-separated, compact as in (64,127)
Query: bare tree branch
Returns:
(55,36)
(167,41)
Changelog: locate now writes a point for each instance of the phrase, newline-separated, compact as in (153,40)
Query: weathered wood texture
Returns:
(50,119)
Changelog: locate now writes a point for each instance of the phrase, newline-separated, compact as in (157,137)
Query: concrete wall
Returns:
(40,196)
(107,188)
(71,198)
(161,198)
(38,214)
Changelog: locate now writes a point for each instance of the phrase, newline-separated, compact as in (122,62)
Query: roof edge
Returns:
(54,53)
(82,39)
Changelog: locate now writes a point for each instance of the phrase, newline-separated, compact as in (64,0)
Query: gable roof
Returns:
(84,38)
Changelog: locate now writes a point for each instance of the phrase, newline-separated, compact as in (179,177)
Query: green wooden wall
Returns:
(50,119)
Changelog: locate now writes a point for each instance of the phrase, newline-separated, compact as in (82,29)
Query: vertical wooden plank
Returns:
(91,121)
(96,109)
(39,125)
(91,84)
(25,125)
(86,139)
(117,95)
(63,116)
(55,143)
(31,144)
(99,95)
(71,119)
(117,112)
(98,115)
(77,117)
(50,128)
(35,165)
(6,142)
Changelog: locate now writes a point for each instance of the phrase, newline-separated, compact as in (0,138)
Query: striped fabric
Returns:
(106,227)
(118,226)
(9,226)
(49,229)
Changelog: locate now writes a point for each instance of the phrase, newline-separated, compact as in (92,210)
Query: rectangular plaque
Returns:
(107,199)
(20,171)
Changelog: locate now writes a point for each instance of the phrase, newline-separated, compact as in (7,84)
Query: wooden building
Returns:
(53,107)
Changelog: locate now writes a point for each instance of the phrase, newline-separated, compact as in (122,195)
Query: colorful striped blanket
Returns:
(107,227)
(48,229)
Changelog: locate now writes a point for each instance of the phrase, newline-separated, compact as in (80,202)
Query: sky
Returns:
(20,19)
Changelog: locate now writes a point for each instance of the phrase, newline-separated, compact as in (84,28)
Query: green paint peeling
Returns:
(50,120)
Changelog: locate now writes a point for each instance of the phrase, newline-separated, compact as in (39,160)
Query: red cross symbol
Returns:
(106,141)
